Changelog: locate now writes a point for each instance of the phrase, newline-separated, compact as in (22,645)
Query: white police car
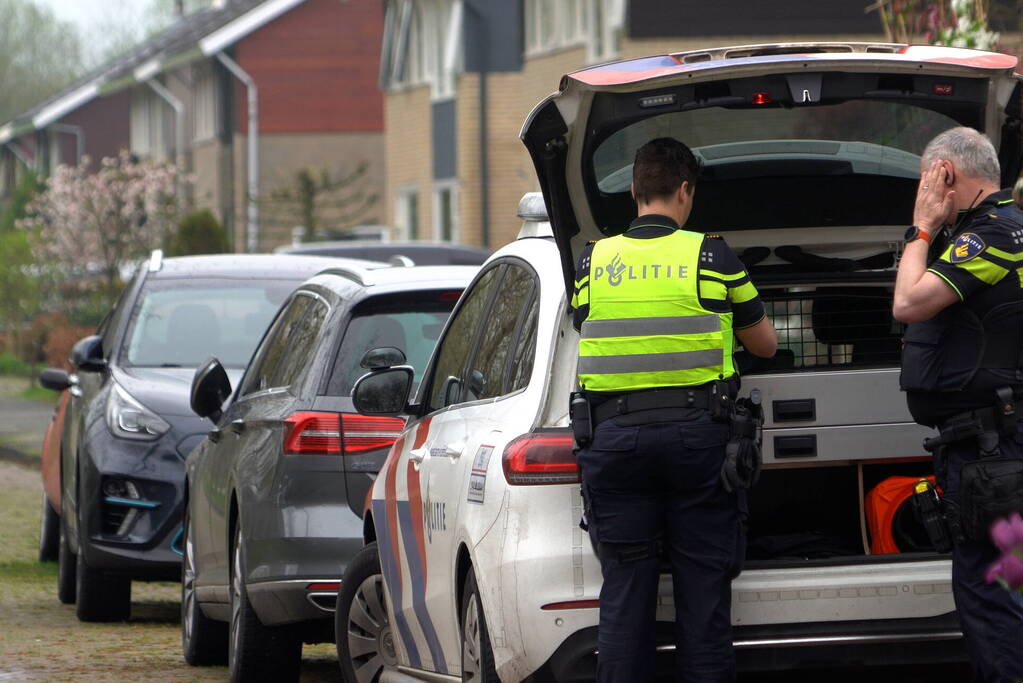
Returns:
(475,567)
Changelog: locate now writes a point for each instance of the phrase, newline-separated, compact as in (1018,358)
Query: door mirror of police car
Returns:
(384,392)
(476,384)
(210,388)
(383,357)
(87,354)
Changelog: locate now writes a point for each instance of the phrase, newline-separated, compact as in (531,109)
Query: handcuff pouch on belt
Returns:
(991,486)
(741,468)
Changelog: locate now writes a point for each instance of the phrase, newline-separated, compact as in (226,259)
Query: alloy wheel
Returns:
(370,641)
(188,599)
(471,665)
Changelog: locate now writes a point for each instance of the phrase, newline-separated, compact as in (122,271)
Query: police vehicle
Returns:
(475,566)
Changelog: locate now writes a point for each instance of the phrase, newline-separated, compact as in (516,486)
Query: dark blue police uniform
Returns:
(651,479)
(954,364)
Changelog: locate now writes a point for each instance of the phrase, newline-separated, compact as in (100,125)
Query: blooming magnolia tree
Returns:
(959,23)
(1007,535)
(100,221)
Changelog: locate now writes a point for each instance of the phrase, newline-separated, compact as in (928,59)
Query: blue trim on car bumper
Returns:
(130,502)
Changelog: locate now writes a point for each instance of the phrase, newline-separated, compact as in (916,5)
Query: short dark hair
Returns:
(661,166)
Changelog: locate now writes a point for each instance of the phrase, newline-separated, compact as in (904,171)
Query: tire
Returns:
(203,640)
(49,533)
(477,655)
(101,597)
(365,643)
(257,652)
(67,569)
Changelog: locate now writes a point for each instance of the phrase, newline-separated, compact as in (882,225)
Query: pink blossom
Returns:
(1007,570)
(1007,533)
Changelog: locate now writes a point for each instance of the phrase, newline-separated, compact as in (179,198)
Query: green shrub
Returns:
(198,233)
(12,365)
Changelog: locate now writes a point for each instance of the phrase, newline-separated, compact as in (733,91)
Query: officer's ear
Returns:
(632,190)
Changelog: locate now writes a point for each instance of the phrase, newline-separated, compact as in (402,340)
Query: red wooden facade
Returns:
(316,69)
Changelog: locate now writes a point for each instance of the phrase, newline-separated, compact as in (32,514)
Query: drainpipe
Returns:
(484,129)
(79,134)
(252,227)
(179,126)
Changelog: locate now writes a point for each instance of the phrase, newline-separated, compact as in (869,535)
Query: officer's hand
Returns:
(934,201)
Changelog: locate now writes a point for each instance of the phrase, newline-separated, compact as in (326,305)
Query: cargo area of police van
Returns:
(841,451)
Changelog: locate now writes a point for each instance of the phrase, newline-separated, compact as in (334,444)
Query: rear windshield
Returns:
(181,322)
(888,137)
(411,322)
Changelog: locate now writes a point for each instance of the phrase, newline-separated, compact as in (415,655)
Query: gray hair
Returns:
(969,149)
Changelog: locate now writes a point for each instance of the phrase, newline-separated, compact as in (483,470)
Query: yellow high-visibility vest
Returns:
(646,328)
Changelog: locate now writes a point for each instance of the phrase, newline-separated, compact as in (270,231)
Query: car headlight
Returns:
(128,418)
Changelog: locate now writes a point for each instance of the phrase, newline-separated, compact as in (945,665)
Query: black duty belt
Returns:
(975,422)
(653,399)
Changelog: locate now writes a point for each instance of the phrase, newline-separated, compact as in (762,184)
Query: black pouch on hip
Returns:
(990,488)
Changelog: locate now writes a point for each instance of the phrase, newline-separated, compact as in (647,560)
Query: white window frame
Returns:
(564,31)
(439,187)
(205,103)
(147,124)
(606,19)
(401,212)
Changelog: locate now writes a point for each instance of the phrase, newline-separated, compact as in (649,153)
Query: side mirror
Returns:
(210,388)
(54,379)
(383,392)
(383,357)
(87,354)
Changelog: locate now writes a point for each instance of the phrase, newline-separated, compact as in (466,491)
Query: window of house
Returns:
(555,24)
(445,214)
(406,213)
(606,19)
(422,45)
(146,124)
(204,103)
(448,375)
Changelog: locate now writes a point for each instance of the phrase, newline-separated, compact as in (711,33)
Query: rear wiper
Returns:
(171,365)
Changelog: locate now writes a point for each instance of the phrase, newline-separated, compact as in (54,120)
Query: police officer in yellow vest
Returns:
(658,308)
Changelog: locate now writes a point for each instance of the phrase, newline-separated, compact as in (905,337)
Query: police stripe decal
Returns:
(650,362)
(637,327)
(416,562)
(388,552)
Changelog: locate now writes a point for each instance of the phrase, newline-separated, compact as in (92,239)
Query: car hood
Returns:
(562,131)
(165,391)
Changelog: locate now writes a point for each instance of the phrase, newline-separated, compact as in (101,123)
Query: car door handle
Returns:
(454,450)
(237,426)
(417,455)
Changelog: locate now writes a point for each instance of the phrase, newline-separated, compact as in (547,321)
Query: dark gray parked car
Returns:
(275,493)
(128,425)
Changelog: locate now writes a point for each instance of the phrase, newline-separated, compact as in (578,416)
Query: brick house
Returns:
(460,77)
(184,95)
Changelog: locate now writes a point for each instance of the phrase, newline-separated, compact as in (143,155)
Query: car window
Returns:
(180,322)
(525,350)
(722,136)
(262,372)
(411,322)
(298,353)
(448,372)
(486,377)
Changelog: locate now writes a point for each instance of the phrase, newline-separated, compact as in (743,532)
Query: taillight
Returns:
(312,433)
(364,433)
(541,458)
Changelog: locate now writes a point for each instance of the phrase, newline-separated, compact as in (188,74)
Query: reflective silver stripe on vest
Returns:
(647,327)
(650,362)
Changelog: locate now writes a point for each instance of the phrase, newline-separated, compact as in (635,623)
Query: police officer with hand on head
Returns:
(657,308)
(959,288)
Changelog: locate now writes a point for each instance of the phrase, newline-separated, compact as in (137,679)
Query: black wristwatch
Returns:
(915,232)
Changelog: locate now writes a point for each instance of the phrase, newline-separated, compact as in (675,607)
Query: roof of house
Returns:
(197,35)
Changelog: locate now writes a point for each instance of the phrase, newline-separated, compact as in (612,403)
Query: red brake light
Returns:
(312,433)
(364,433)
(761,98)
(942,89)
(541,458)
(450,296)
(324,586)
